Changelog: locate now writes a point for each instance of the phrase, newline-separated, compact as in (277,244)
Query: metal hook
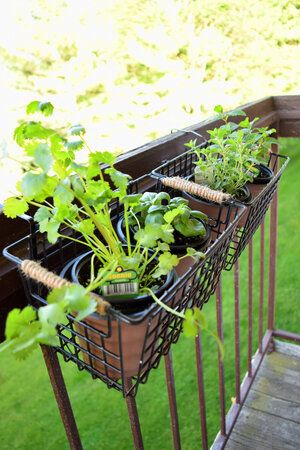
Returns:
(185,131)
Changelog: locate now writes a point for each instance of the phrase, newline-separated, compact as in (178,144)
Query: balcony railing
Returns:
(282,113)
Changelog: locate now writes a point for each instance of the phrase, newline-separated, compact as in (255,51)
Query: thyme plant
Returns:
(234,152)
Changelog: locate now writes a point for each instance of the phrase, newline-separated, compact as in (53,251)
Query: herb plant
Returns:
(234,152)
(159,209)
(77,196)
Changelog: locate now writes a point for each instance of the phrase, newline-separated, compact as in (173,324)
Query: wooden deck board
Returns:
(270,417)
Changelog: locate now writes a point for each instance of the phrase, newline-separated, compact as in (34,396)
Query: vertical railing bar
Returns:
(220,361)
(261,286)
(62,397)
(172,400)
(272,263)
(133,416)
(237,330)
(273,253)
(250,305)
(201,391)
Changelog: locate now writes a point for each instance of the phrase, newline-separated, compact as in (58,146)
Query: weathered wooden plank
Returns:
(286,102)
(287,349)
(260,401)
(261,431)
(277,361)
(286,386)
(289,128)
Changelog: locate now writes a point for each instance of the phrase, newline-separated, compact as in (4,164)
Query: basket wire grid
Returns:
(104,345)
(183,166)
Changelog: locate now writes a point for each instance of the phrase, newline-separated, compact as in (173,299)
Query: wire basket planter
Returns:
(183,166)
(121,349)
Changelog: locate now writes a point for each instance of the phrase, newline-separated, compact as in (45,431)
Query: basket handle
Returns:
(38,273)
(194,188)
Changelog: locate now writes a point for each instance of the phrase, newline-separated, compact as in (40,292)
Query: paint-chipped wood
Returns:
(270,418)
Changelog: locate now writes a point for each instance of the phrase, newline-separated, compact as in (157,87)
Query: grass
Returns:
(30,419)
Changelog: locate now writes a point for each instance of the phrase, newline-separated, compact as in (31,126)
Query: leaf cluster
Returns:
(69,194)
(164,212)
(234,152)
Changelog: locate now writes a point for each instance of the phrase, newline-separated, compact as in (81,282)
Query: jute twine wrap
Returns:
(34,270)
(196,189)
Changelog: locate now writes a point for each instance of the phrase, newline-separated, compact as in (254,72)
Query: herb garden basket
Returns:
(121,349)
(183,166)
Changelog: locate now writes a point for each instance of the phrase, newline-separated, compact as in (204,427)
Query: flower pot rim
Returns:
(82,260)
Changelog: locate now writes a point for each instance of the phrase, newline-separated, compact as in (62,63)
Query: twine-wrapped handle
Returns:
(38,273)
(196,189)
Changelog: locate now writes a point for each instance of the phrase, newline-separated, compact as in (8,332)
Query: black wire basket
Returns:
(183,166)
(121,349)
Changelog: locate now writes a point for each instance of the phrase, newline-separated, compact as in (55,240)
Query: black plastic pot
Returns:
(264,177)
(115,348)
(179,248)
(265,174)
(80,271)
(243,195)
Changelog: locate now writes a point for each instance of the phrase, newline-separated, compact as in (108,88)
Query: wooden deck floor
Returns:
(270,418)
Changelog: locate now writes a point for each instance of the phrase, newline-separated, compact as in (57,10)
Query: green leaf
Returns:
(42,214)
(73,145)
(77,185)
(170,215)
(14,207)
(194,319)
(160,197)
(218,109)
(132,199)
(62,195)
(51,314)
(154,218)
(75,299)
(51,228)
(190,327)
(32,107)
(190,228)
(33,184)
(45,108)
(194,253)
(18,319)
(31,130)
(166,262)
(77,130)
(42,157)
(119,179)
(102,158)
(148,236)
(237,112)
(86,227)
(166,233)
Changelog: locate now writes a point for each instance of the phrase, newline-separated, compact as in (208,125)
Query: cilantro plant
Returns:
(159,209)
(234,152)
(69,194)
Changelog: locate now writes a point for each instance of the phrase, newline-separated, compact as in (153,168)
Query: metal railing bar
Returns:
(261,285)
(273,251)
(219,317)
(247,382)
(237,330)
(133,417)
(62,397)
(272,261)
(201,391)
(172,400)
(250,305)
(288,335)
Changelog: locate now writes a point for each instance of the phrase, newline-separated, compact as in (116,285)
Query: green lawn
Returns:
(29,415)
